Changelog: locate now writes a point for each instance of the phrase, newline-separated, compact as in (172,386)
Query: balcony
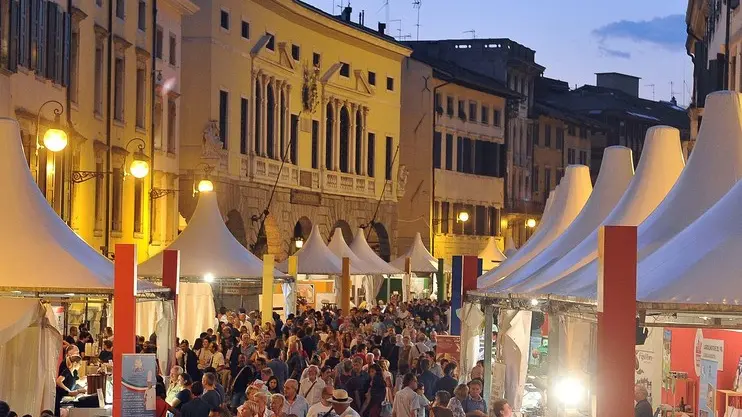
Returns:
(340,183)
(265,171)
(468,188)
(524,207)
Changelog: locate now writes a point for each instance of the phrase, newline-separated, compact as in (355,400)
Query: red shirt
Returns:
(161,408)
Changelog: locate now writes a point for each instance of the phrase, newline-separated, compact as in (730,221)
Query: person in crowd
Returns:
(435,367)
(280,368)
(439,408)
(218,387)
(231,358)
(311,387)
(447,383)
(424,402)
(107,353)
(67,376)
(210,395)
(642,408)
(407,400)
(341,404)
(324,406)
(261,398)
(477,372)
(455,404)
(240,382)
(174,387)
(295,404)
(197,406)
(184,396)
(273,386)
(161,405)
(475,405)
(276,406)
(427,379)
(189,360)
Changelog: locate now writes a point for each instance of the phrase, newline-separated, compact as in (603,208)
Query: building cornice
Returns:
(184,7)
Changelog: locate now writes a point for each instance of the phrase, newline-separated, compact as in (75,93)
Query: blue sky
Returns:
(573,39)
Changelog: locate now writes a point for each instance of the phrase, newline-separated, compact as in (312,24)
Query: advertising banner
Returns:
(707,389)
(138,380)
(666,365)
(644,370)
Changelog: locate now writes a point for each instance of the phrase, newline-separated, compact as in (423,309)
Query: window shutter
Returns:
(66,36)
(24,30)
(41,38)
(14,34)
(34,32)
(51,33)
(59,47)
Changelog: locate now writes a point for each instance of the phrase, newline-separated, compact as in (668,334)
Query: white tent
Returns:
(421,261)
(207,247)
(33,230)
(341,249)
(616,172)
(315,258)
(30,344)
(360,247)
(658,170)
(491,255)
(713,168)
(574,190)
(510,248)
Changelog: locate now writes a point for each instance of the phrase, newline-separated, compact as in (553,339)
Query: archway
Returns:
(345,228)
(302,228)
(268,240)
(328,136)
(344,138)
(258,99)
(271,99)
(237,227)
(378,239)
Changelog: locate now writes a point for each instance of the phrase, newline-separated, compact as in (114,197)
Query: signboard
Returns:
(643,370)
(666,363)
(449,347)
(707,389)
(710,349)
(138,380)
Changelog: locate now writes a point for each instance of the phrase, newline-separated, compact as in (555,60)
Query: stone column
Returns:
(353,139)
(276,118)
(336,136)
(321,143)
(251,116)
(364,141)
(264,116)
(287,91)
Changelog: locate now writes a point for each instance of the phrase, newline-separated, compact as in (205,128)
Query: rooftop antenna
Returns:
(473,33)
(405,37)
(416,4)
(651,85)
(672,90)
(399,30)
(385,6)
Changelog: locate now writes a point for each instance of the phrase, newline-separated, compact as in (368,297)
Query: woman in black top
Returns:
(67,377)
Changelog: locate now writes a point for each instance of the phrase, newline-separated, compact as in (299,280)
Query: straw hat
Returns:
(340,396)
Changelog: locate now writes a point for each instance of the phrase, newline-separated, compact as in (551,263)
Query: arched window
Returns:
(270,108)
(258,102)
(328,136)
(344,138)
(359,142)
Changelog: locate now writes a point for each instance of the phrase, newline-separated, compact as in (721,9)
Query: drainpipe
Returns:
(109,93)
(68,109)
(432,169)
(152,124)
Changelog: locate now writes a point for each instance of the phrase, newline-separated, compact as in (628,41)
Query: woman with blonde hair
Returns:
(276,405)
(461,393)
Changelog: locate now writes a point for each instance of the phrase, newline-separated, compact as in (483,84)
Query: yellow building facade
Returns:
(295,116)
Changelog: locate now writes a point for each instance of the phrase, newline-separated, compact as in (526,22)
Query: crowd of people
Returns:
(377,362)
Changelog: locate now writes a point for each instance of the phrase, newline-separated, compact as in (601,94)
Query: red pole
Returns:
(616,321)
(124,314)
(469,281)
(171,280)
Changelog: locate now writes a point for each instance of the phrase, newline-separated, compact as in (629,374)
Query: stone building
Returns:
(295,116)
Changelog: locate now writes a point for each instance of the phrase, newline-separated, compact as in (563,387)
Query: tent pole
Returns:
(489,315)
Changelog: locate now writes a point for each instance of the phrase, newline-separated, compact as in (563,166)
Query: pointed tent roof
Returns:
(32,229)
(491,255)
(574,190)
(207,247)
(616,172)
(315,258)
(659,168)
(510,248)
(361,248)
(338,247)
(421,261)
(714,167)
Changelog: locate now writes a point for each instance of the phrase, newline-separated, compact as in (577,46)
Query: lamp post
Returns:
(55,139)
(139,167)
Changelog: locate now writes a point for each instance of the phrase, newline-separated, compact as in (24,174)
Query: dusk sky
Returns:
(573,39)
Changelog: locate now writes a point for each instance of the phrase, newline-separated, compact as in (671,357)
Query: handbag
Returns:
(386,405)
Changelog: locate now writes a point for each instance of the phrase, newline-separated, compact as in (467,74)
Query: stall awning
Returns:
(315,258)
(421,261)
(360,247)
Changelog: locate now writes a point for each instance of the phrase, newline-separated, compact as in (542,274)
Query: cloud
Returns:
(615,53)
(668,31)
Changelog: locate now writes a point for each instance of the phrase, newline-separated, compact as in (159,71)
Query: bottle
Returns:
(682,404)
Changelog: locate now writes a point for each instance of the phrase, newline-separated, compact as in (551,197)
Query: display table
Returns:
(727,395)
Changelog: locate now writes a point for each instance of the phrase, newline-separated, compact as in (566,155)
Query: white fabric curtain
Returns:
(289,297)
(196,311)
(515,352)
(148,314)
(472,320)
(165,333)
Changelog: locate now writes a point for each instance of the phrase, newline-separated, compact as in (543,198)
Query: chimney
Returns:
(617,81)
(382,28)
(674,101)
(345,16)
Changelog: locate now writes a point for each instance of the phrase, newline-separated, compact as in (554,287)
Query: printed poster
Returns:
(666,356)
(643,369)
(707,388)
(138,380)
(710,349)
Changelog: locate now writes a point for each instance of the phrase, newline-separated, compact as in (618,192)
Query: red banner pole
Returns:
(171,280)
(124,314)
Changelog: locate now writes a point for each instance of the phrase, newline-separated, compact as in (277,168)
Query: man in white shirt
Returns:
(341,404)
(312,386)
(322,407)
(407,401)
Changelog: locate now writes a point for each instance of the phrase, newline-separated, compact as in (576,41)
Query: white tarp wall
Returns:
(515,348)
(572,350)
(472,321)
(30,344)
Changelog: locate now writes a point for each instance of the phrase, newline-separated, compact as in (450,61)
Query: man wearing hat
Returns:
(341,404)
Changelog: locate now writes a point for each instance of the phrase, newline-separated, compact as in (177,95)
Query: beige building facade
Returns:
(295,116)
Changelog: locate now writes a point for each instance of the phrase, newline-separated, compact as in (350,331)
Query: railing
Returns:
(265,171)
(341,183)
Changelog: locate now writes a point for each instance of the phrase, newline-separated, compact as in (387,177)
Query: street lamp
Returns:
(463,216)
(139,167)
(55,139)
(299,242)
(205,186)
(531,223)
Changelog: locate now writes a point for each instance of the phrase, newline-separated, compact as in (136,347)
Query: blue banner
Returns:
(707,389)
(457,276)
(138,380)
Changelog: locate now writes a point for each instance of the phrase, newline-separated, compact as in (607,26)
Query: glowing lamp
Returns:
(570,391)
(205,186)
(463,216)
(55,140)
(534,302)
(531,223)
(209,277)
(139,167)
(299,243)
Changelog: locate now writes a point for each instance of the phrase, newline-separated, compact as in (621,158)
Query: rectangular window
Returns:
(118,92)
(449,106)
(245,30)
(491,218)
(120,9)
(243,126)
(570,156)
(389,162)
(535,133)
(583,132)
(496,118)
(138,194)
(449,151)
(345,69)
(98,83)
(534,179)
(74,72)
(466,156)
(571,130)
(117,198)
(472,111)
(437,150)
(271,45)
(560,138)
(99,197)
(459,154)
(224,19)
(485,115)
(316,60)
(315,144)
(159,40)
(173,55)
(462,110)
(480,218)
(172,125)
(295,52)
(371,154)
(547,136)
(445,213)
(142,16)
(547,181)
(372,78)
(583,157)
(141,81)
(390,83)
(224,117)
(24,42)
(294,138)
